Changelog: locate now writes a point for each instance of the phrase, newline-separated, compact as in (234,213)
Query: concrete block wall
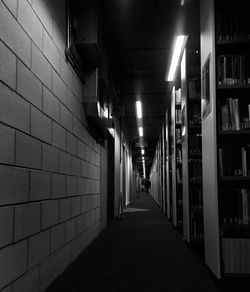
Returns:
(49,163)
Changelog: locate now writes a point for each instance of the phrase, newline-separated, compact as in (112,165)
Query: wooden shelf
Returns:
(235,132)
(233,42)
(235,86)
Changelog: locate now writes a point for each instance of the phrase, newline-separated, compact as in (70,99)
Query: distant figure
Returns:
(147,185)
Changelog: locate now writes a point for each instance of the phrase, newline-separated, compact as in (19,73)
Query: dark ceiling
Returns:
(140,35)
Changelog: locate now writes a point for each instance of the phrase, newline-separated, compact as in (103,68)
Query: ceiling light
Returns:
(140,131)
(182,2)
(138,109)
(142,152)
(180,43)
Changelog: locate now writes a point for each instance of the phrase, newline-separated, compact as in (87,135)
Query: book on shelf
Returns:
(236,255)
(231,24)
(236,206)
(233,69)
(231,117)
(234,161)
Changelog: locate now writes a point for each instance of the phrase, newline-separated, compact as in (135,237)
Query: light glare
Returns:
(140,131)
(139,109)
(179,45)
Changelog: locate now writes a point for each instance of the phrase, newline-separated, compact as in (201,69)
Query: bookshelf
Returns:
(193,231)
(176,128)
(225,37)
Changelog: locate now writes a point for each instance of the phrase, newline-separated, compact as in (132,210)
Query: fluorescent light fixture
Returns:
(180,43)
(142,152)
(182,2)
(138,109)
(140,131)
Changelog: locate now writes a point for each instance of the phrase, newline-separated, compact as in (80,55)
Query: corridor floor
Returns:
(143,252)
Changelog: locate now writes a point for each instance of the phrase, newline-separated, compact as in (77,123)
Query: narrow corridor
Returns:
(143,252)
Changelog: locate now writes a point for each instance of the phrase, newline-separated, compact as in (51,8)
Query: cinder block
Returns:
(58,185)
(71,144)
(77,128)
(14,185)
(43,12)
(7,145)
(57,237)
(64,209)
(12,6)
(64,257)
(50,213)
(6,225)
(59,35)
(66,118)
(65,72)
(80,186)
(13,35)
(77,87)
(58,136)
(28,151)
(81,223)
(51,105)
(13,262)
(38,248)
(48,271)
(40,125)
(74,105)
(70,229)
(58,9)
(27,220)
(65,162)
(39,185)
(81,149)
(28,85)
(76,206)
(7,66)
(50,51)
(14,111)
(59,87)
(28,283)
(41,67)
(50,157)
(76,166)
(7,289)
(30,22)
(71,186)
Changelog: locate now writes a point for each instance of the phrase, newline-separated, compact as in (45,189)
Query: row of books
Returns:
(178,155)
(178,135)
(236,206)
(234,161)
(178,116)
(178,96)
(197,225)
(231,116)
(232,25)
(195,144)
(178,175)
(236,255)
(233,69)
(195,114)
(194,88)
(195,170)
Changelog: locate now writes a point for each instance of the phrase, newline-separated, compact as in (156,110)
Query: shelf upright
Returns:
(225,87)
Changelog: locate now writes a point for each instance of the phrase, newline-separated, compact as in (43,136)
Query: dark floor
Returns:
(143,252)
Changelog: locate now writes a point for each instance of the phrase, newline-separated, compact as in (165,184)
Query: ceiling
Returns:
(140,35)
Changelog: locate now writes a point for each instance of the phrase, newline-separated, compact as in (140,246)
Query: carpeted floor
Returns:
(143,252)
